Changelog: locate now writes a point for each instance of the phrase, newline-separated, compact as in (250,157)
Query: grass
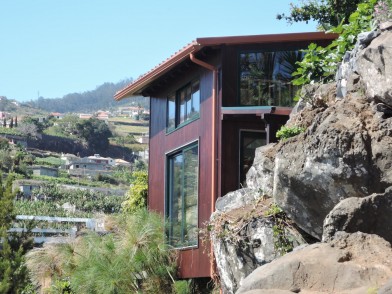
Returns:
(51,160)
(124,126)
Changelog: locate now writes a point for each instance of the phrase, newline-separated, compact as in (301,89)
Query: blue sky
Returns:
(52,48)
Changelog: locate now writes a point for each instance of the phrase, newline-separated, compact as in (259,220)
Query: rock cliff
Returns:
(333,177)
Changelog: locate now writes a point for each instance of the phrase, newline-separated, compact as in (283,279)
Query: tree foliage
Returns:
(320,63)
(95,132)
(326,12)
(131,258)
(88,101)
(137,194)
(13,273)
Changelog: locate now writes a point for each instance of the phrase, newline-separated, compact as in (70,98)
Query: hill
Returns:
(14,108)
(89,101)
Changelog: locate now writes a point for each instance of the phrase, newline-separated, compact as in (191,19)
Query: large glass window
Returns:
(183,106)
(265,77)
(182,197)
(249,141)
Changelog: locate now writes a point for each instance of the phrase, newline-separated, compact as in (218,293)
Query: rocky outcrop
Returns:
(334,181)
(344,152)
(352,263)
(245,236)
(371,215)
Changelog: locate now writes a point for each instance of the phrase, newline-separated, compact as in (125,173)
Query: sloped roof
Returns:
(136,87)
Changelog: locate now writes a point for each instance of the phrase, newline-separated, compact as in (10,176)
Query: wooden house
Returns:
(212,103)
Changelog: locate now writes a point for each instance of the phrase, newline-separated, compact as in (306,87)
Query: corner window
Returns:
(265,77)
(182,197)
(183,106)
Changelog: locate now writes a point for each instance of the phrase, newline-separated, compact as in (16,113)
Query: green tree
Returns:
(13,272)
(326,12)
(95,132)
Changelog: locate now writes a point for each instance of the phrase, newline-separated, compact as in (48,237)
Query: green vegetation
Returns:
(84,200)
(13,272)
(282,242)
(9,131)
(326,12)
(137,196)
(288,132)
(320,63)
(133,258)
(49,161)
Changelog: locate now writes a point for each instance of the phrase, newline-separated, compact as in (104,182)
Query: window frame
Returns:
(176,98)
(167,201)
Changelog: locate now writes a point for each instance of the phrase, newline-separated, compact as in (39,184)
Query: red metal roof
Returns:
(137,86)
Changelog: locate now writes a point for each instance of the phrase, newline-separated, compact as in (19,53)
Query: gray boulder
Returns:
(374,65)
(243,237)
(371,215)
(345,152)
(351,263)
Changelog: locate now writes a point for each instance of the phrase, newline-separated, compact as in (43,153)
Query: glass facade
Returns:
(182,197)
(265,78)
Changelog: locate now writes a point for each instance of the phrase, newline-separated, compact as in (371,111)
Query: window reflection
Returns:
(265,77)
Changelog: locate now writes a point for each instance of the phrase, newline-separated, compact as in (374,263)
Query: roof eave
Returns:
(136,88)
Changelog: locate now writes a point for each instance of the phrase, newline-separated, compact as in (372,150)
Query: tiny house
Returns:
(211,105)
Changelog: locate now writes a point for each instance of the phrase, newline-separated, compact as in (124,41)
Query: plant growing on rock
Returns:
(286,132)
(282,242)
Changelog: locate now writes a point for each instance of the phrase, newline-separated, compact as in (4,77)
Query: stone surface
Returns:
(236,199)
(351,263)
(386,289)
(374,65)
(243,238)
(345,152)
(371,215)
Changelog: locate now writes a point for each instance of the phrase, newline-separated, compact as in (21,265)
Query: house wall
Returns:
(45,172)
(231,149)
(192,262)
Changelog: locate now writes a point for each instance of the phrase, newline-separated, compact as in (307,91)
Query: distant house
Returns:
(44,171)
(87,167)
(57,115)
(68,158)
(121,162)
(26,187)
(212,104)
(99,159)
(130,110)
(103,115)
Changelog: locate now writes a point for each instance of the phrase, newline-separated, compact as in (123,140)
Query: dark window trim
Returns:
(177,124)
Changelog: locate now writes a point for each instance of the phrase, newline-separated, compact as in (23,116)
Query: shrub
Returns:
(288,132)
(137,194)
(132,258)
